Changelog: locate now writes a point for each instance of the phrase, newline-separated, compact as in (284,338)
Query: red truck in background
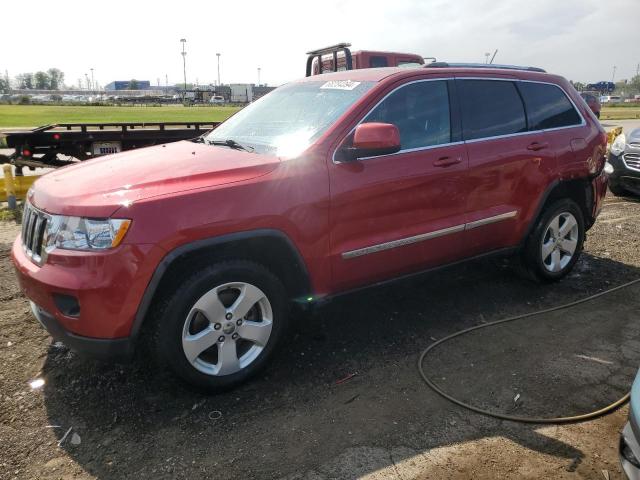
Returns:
(339,57)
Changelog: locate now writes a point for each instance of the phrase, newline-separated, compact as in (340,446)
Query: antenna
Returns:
(494,56)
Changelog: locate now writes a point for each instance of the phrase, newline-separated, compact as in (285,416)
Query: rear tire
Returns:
(221,325)
(556,242)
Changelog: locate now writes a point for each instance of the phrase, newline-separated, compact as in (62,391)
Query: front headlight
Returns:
(619,144)
(78,233)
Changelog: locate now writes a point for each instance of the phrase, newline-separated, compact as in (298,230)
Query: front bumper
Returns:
(629,447)
(624,176)
(101,348)
(104,289)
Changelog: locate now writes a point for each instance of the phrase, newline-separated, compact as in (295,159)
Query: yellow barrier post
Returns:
(9,186)
(611,136)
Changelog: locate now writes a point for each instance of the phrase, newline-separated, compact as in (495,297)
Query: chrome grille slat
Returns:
(25,221)
(40,231)
(34,229)
(34,235)
(32,220)
(632,161)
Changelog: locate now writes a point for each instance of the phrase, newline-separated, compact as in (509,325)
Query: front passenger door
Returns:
(401,212)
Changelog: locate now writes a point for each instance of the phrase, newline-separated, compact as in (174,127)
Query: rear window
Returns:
(491,108)
(378,61)
(548,106)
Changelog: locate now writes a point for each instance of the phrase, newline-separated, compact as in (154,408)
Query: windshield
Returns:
(287,121)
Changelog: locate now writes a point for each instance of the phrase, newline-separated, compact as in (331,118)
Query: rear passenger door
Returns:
(509,165)
(549,109)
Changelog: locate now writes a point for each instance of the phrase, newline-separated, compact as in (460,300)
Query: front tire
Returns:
(222,324)
(556,242)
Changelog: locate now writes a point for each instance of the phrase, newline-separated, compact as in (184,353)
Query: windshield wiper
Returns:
(231,144)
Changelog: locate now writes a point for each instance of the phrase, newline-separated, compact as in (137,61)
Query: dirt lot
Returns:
(296,422)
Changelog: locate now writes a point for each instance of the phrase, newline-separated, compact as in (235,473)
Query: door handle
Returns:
(535,146)
(446,161)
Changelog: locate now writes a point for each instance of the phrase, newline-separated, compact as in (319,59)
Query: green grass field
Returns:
(36,115)
(621,112)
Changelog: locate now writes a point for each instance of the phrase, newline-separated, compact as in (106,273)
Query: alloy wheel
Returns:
(227,328)
(559,242)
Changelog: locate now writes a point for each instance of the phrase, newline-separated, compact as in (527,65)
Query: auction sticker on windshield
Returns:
(340,85)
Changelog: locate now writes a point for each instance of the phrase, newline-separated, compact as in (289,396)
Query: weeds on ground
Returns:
(8,215)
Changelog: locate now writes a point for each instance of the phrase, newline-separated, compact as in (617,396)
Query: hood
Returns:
(97,188)
(634,136)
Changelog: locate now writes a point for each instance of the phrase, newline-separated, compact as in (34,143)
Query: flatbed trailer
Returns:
(66,143)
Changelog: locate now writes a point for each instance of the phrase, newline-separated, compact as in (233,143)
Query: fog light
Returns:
(627,453)
(67,304)
(608,168)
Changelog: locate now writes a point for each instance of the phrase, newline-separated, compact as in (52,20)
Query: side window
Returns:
(420,111)
(490,108)
(547,106)
(375,62)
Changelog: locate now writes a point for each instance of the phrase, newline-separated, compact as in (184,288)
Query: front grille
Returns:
(632,160)
(34,228)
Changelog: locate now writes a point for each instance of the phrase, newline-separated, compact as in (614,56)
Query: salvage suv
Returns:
(197,249)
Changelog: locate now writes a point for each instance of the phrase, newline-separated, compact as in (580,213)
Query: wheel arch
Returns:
(268,247)
(579,190)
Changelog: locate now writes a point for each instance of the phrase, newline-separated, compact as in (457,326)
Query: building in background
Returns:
(126,84)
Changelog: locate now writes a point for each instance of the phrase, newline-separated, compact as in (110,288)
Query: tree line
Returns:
(52,79)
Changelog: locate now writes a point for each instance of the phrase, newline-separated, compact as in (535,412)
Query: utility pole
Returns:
(613,75)
(184,66)
(218,55)
(93,85)
(166,81)
(258,76)
(86,77)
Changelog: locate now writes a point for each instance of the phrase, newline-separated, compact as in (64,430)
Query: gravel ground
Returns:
(296,422)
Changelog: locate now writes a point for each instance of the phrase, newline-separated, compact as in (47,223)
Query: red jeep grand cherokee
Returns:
(326,184)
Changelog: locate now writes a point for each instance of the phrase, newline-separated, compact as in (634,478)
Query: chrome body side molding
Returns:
(380,247)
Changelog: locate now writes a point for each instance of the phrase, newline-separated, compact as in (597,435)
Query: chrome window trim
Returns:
(409,150)
(444,79)
(401,242)
(582,123)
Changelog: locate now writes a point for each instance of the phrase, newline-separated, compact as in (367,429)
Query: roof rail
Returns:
(483,65)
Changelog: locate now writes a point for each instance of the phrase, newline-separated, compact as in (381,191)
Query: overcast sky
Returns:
(580,39)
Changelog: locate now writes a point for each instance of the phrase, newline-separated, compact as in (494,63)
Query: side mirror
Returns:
(372,139)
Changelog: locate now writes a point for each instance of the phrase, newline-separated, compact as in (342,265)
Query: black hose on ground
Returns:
(515,418)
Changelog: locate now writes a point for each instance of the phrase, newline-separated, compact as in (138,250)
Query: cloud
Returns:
(581,40)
